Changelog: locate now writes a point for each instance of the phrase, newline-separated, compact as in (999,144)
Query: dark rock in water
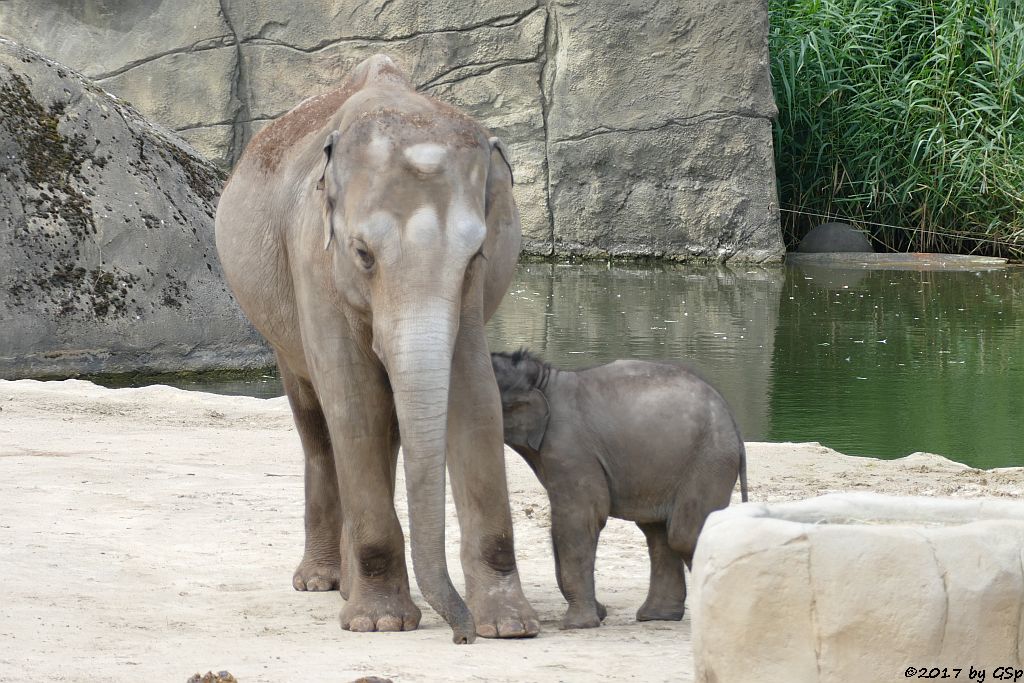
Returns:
(834,237)
(107,261)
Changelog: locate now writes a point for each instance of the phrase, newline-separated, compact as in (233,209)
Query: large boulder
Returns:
(635,127)
(859,587)
(106,221)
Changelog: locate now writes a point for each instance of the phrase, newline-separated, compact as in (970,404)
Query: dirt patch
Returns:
(152,533)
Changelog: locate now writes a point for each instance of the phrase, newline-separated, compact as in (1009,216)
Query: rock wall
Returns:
(637,127)
(107,261)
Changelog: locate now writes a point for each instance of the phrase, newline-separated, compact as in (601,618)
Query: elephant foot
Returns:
(582,617)
(312,575)
(395,612)
(502,611)
(660,612)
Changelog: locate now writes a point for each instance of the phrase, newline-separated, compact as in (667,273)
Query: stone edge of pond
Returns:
(909,261)
(126,380)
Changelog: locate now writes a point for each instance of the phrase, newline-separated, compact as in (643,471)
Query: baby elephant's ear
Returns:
(538,426)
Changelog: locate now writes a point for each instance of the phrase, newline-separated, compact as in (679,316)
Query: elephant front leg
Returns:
(575,529)
(321,567)
(364,433)
(476,463)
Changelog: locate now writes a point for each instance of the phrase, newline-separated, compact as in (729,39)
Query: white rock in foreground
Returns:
(858,587)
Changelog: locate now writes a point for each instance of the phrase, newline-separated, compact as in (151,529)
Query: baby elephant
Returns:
(649,442)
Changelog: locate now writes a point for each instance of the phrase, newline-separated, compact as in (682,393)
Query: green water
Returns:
(901,362)
(878,362)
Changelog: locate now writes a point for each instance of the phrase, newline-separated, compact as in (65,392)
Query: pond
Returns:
(869,362)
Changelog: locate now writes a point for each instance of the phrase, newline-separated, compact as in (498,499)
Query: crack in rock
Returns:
(548,71)
(204,45)
(501,21)
(672,122)
(473,70)
(815,627)
(238,78)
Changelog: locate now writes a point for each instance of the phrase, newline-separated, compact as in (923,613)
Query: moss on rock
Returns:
(107,258)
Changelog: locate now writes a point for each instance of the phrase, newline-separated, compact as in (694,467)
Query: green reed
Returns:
(904,117)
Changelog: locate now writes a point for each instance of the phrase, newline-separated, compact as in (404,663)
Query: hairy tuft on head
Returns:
(518,370)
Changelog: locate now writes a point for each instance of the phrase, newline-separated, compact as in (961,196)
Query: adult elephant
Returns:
(368,234)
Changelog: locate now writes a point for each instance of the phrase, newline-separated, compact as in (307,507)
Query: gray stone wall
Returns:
(107,258)
(636,127)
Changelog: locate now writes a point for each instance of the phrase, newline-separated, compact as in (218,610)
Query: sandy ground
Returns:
(148,534)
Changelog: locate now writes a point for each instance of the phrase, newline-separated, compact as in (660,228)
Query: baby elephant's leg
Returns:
(574,532)
(667,592)
(602,611)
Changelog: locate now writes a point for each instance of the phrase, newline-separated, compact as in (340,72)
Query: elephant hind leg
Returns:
(667,593)
(321,566)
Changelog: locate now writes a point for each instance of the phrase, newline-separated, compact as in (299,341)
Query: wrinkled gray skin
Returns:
(368,234)
(648,442)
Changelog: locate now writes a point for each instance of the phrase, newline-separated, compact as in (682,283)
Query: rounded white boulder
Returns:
(859,587)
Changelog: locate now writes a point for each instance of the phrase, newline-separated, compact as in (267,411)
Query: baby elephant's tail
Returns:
(743,472)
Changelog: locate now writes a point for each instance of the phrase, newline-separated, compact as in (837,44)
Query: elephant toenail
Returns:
(361,625)
(389,623)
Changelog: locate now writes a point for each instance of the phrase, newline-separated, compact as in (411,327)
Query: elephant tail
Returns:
(743,471)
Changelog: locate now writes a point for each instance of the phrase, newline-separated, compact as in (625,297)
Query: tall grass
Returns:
(903,116)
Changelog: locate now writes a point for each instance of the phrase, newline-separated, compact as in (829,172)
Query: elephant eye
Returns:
(363,255)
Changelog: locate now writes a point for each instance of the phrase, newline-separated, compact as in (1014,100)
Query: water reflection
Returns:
(263,383)
(721,319)
(872,362)
(894,362)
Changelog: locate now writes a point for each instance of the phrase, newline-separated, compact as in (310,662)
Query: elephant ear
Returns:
(500,206)
(504,234)
(540,413)
(321,185)
(498,146)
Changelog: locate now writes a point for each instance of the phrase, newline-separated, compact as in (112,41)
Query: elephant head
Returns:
(415,198)
(525,410)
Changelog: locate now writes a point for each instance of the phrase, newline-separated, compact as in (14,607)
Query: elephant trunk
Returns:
(418,357)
